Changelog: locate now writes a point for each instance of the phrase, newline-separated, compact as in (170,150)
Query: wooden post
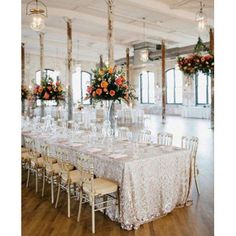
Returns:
(163,65)
(110,36)
(100,62)
(69,68)
(212,81)
(41,42)
(23,74)
(127,64)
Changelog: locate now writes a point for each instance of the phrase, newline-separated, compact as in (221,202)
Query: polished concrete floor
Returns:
(39,217)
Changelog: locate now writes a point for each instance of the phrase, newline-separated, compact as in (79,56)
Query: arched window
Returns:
(47,72)
(203,89)
(174,86)
(147,87)
(80,81)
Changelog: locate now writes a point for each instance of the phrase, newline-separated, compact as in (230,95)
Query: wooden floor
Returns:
(39,217)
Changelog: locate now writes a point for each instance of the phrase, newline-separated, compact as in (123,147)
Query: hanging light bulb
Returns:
(201,18)
(37,10)
(144,54)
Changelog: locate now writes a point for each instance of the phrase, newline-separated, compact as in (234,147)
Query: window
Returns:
(203,89)
(174,85)
(147,87)
(80,81)
(49,73)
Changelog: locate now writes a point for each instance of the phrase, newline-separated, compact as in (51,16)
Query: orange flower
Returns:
(40,89)
(46,96)
(100,72)
(94,94)
(110,70)
(99,91)
(104,84)
(112,93)
(105,90)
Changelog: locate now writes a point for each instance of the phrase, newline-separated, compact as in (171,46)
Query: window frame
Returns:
(141,88)
(206,90)
(174,87)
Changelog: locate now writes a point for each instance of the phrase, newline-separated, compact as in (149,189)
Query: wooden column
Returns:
(22,74)
(127,64)
(212,81)
(163,68)
(41,44)
(69,68)
(100,62)
(110,36)
(22,63)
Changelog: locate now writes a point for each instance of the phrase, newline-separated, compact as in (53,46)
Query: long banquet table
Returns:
(151,185)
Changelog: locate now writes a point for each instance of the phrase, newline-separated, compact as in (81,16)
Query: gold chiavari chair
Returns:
(50,170)
(35,162)
(68,178)
(165,139)
(93,188)
(191,143)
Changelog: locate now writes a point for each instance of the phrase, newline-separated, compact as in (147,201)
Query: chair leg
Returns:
(80,204)
(36,180)
(196,182)
(68,200)
(105,204)
(52,189)
(58,190)
(43,188)
(28,177)
(93,216)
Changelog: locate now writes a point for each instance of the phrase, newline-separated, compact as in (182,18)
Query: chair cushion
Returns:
(101,186)
(25,156)
(39,162)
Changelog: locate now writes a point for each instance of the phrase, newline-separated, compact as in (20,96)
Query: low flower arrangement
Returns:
(195,63)
(49,91)
(110,84)
(24,92)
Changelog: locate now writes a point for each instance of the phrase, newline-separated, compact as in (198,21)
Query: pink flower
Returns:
(46,96)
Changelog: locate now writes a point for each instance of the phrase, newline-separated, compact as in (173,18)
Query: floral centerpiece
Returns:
(110,84)
(194,63)
(24,92)
(48,90)
(202,60)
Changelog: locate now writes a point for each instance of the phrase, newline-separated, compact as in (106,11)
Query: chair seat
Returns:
(25,156)
(23,150)
(39,162)
(101,187)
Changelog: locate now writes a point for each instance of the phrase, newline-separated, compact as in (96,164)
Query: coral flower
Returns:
(105,90)
(119,81)
(112,93)
(46,96)
(49,88)
(110,70)
(57,83)
(94,94)
(104,84)
(99,91)
(40,89)
(35,90)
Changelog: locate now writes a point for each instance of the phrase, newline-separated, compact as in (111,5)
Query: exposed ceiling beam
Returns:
(164,8)
(102,21)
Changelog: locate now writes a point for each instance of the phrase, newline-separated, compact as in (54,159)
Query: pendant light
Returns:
(201,18)
(144,54)
(37,10)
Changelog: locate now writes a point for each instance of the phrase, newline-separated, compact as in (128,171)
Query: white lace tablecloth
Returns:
(151,185)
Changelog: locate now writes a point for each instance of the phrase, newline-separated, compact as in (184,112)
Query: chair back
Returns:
(145,136)
(190,143)
(165,139)
(123,133)
(85,166)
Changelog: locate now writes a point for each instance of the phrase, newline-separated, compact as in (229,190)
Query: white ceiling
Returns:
(171,20)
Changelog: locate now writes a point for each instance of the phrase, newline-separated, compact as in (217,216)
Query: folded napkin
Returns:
(94,150)
(118,155)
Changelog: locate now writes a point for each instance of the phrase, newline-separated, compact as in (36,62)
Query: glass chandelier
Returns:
(144,54)
(201,18)
(37,10)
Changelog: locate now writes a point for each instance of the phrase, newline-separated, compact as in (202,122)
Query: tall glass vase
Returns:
(42,109)
(109,122)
